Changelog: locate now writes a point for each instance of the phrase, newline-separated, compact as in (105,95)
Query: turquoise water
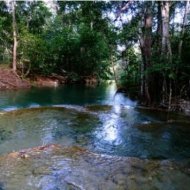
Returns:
(64,95)
(94,118)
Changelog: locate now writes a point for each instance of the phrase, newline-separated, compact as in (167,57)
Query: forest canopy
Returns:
(138,43)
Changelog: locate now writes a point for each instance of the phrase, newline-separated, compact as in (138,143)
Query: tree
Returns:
(5,33)
(161,48)
(145,44)
(183,27)
(14,64)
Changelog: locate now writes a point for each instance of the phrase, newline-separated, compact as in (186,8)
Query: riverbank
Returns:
(177,105)
(10,80)
(55,80)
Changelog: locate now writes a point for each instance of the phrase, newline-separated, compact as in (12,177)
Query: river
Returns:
(97,119)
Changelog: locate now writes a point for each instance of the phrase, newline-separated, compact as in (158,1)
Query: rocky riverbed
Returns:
(55,167)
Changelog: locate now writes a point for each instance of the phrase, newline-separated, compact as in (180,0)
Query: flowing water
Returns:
(109,125)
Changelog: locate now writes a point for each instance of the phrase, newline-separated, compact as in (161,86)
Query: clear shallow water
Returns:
(113,130)
(102,123)
(94,118)
(54,167)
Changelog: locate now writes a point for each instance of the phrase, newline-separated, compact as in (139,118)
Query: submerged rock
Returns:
(55,167)
(99,108)
(121,131)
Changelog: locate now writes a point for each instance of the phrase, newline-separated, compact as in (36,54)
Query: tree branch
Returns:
(122,9)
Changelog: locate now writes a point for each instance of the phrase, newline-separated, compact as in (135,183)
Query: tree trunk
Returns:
(14,63)
(148,43)
(166,52)
(166,46)
(185,20)
(159,29)
(156,80)
(145,45)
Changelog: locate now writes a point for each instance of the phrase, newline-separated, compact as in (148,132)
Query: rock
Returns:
(98,108)
(57,167)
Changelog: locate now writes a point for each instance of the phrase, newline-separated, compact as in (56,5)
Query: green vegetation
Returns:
(82,39)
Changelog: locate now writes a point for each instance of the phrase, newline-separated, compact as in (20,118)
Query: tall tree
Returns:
(166,45)
(166,51)
(145,44)
(183,27)
(5,34)
(14,63)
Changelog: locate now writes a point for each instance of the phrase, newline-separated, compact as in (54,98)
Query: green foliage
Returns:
(80,39)
(74,40)
(5,37)
(129,74)
(32,50)
(72,47)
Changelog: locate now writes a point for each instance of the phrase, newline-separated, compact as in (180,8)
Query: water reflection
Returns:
(109,132)
(120,99)
(115,131)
